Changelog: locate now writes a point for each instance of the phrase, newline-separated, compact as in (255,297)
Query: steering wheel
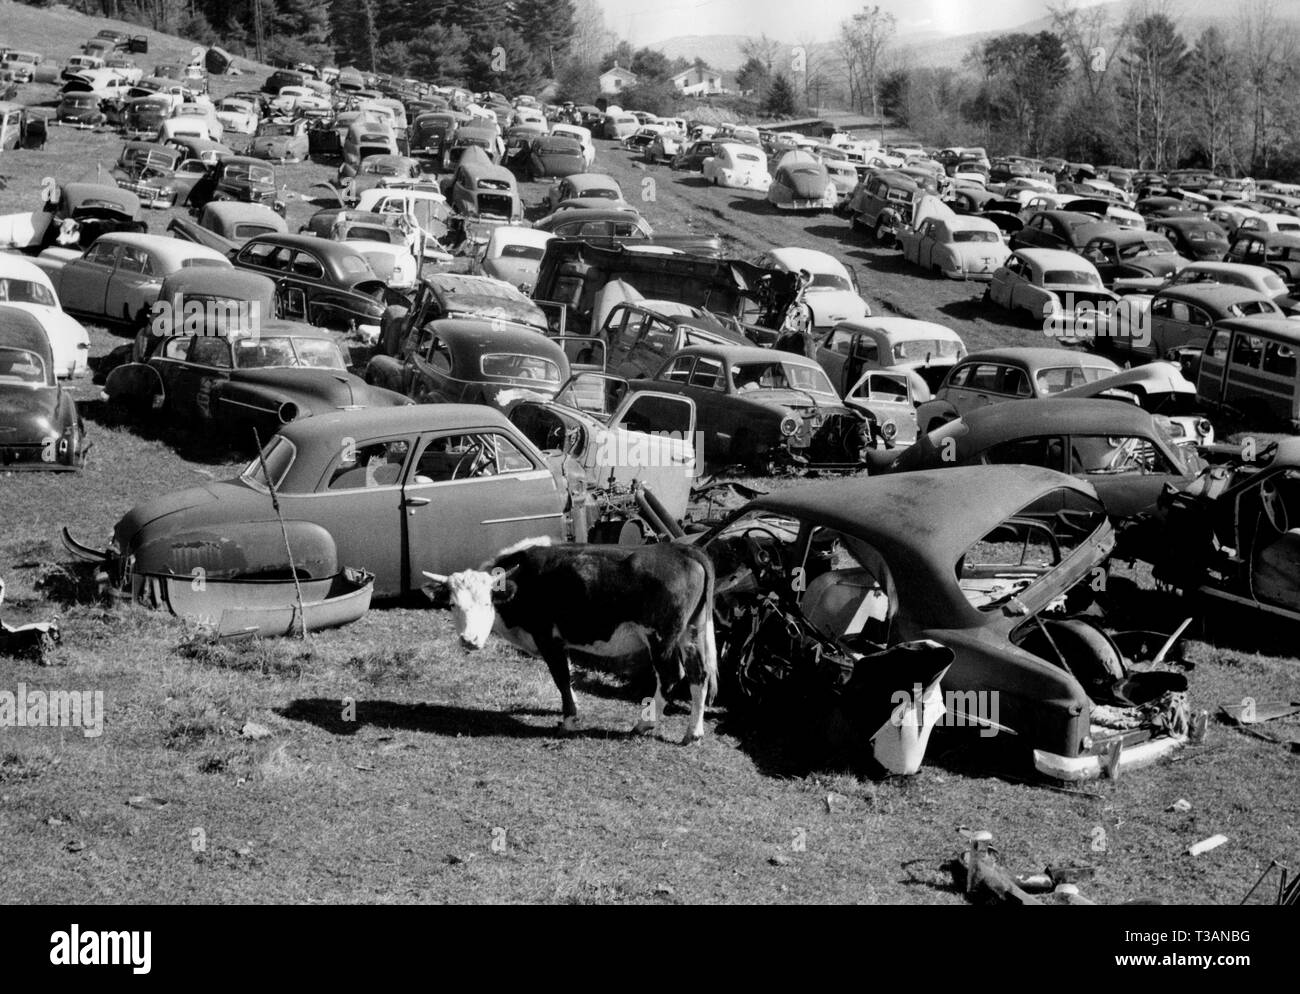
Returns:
(1274,507)
(475,461)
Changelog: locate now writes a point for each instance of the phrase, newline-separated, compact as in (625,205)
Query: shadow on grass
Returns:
(437,719)
(192,444)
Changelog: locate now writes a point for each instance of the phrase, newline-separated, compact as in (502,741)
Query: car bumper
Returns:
(1090,766)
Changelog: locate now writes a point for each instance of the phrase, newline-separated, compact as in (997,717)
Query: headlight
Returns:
(1203,427)
(789,425)
(889,429)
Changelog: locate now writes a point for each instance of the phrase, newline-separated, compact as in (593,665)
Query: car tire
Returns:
(882,237)
(74,447)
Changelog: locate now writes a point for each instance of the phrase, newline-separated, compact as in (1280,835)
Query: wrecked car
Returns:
(991,562)
(1118,448)
(74,215)
(256,380)
(395,491)
(160,175)
(457,295)
(40,427)
(620,436)
(574,277)
(119,277)
(763,409)
(1234,534)
(466,360)
(923,351)
(280,140)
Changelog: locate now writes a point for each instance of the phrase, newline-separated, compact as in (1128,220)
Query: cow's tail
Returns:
(702,622)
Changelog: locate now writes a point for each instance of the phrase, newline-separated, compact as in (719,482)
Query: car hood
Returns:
(796,399)
(1155,265)
(806,186)
(272,145)
(832,306)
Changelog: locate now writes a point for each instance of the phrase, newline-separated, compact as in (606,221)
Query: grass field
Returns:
(397,768)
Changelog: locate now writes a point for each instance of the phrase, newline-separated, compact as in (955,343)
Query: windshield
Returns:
(278,456)
(251,173)
(520,367)
(263,353)
(18,291)
(1148,246)
(830,281)
(778,375)
(522,252)
(976,236)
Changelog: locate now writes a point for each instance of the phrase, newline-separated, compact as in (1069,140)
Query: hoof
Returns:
(643,728)
(693,738)
(570,725)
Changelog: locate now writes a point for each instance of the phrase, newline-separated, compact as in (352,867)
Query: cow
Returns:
(607,600)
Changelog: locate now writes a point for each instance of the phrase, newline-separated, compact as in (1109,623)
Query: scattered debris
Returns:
(252,730)
(1205,845)
(146,802)
(1253,712)
(987,881)
(1180,805)
(32,641)
(779,860)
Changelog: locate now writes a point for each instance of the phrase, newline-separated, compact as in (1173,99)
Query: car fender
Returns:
(135,384)
(386,372)
(233,403)
(932,411)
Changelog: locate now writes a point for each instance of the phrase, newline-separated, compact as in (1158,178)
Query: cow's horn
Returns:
(435,577)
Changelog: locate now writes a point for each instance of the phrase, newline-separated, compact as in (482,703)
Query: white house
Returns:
(616,79)
(697,80)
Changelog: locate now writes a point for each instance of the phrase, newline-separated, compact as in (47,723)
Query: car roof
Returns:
(913,518)
(1278,327)
(218,279)
(1037,357)
(1218,295)
(466,337)
(744,353)
(1080,415)
(164,245)
(329,427)
(323,246)
(795,259)
(902,329)
(76,193)
(234,209)
(1047,258)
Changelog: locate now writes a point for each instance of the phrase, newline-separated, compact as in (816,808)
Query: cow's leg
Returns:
(652,710)
(696,731)
(557,661)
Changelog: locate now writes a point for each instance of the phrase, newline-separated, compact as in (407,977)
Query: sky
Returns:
(646,21)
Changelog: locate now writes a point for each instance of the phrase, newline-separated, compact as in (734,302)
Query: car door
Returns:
(306,282)
(359,501)
(833,352)
(655,442)
(979,387)
(188,384)
(470,494)
(1129,472)
(864,352)
(130,286)
(83,284)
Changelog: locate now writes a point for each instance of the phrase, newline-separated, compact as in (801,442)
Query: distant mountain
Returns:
(938,48)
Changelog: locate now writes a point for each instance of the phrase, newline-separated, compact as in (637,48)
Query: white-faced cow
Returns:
(606,600)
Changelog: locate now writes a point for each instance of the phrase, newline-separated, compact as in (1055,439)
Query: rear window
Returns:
(1070,277)
(1058,378)
(976,236)
(520,367)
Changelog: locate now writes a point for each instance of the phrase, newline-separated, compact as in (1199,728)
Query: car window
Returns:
(307,265)
(135,260)
(470,456)
(1279,359)
(985,377)
(679,370)
(210,351)
(960,376)
(657,337)
(102,253)
(708,375)
(1046,451)
(1014,382)
(1113,455)
(1217,346)
(1247,351)
(262,254)
(367,467)
(1056,379)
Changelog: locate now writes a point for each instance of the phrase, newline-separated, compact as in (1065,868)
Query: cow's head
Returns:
(472,596)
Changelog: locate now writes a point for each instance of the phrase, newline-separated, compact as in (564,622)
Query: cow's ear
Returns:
(504,591)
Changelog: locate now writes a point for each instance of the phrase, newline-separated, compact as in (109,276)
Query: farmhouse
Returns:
(616,79)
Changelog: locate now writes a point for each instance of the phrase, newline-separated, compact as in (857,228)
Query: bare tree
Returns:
(862,41)
(1267,48)
(1092,40)
(764,49)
